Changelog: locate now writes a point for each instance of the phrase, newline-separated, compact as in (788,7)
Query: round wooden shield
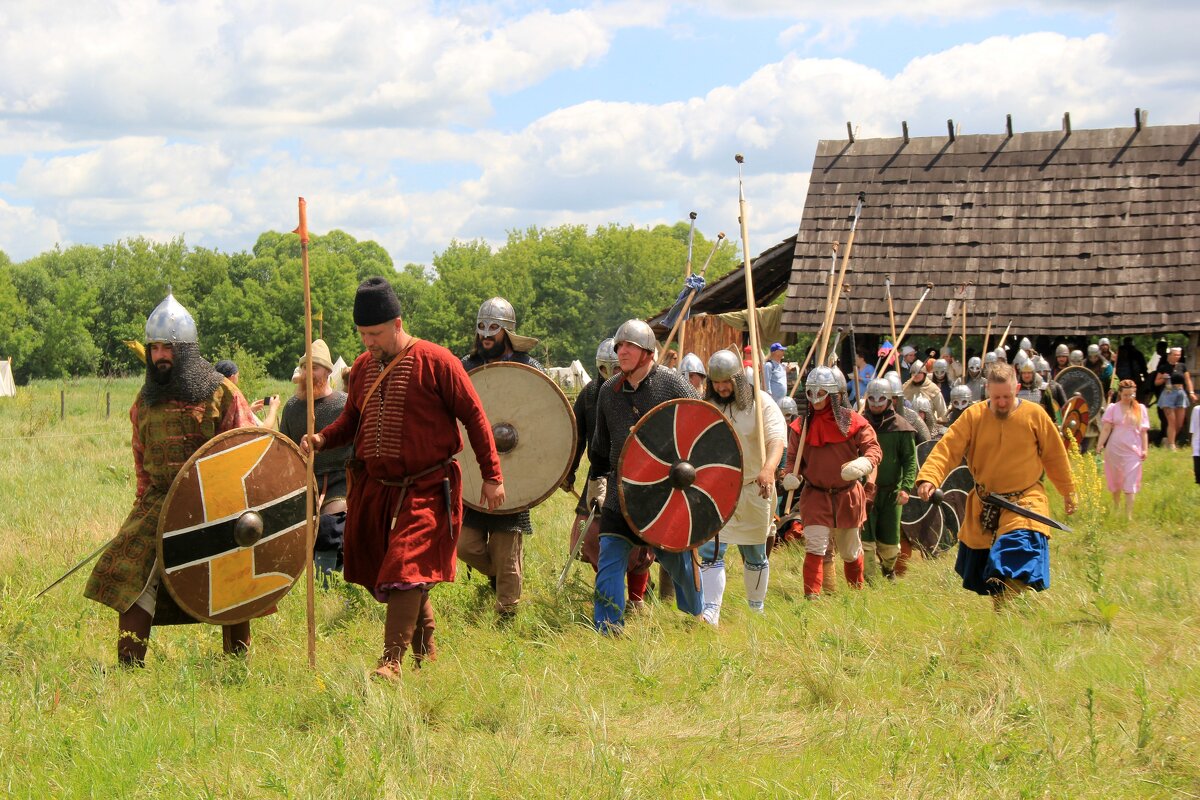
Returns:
(231,537)
(1075,418)
(680,474)
(534,427)
(1083,382)
(932,527)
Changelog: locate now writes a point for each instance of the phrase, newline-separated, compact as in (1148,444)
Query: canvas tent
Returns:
(7,387)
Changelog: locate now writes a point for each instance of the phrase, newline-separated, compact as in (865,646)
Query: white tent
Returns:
(7,387)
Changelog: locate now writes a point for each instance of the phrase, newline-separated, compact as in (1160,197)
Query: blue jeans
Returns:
(609,608)
(754,555)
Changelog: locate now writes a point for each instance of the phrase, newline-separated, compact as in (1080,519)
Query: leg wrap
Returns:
(814,568)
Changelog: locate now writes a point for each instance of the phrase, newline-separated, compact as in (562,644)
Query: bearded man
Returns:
(1010,446)
(405,398)
(730,391)
(919,384)
(493,544)
(182,404)
(329,466)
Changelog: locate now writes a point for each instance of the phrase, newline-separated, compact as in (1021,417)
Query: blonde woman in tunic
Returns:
(1124,438)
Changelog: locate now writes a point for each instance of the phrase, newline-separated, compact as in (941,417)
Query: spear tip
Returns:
(739,158)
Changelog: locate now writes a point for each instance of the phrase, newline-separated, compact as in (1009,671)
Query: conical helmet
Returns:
(171,323)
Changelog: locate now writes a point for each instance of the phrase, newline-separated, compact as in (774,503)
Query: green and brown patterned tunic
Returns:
(165,436)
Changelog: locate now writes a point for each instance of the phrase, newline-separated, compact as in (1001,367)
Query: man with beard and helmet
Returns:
(640,386)
(1100,365)
(182,404)
(1076,358)
(692,368)
(893,480)
(941,378)
(1029,384)
(493,544)
(840,451)
(919,385)
(989,361)
(729,391)
(924,409)
(975,380)
(960,398)
(640,558)
(1054,397)
(1062,358)
(902,408)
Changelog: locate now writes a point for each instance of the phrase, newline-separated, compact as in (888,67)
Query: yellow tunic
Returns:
(1009,455)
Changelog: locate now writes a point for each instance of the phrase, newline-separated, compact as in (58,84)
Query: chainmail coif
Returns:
(192,377)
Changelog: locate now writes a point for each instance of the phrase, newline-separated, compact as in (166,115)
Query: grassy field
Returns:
(913,689)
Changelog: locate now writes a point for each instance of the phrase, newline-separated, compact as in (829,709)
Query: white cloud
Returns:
(23,232)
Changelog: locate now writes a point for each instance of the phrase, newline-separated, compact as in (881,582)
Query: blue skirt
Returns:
(1021,555)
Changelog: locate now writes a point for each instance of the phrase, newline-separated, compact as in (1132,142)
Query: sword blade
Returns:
(575,551)
(997,500)
(77,567)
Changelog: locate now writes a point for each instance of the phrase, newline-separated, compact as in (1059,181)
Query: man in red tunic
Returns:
(840,451)
(405,399)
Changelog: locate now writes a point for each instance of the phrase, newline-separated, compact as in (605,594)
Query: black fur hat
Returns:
(375,302)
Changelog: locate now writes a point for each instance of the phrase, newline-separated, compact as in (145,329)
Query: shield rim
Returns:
(625,449)
(574,439)
(175,483)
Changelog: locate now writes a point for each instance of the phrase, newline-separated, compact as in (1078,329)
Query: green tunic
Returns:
(164,437)
(897,471)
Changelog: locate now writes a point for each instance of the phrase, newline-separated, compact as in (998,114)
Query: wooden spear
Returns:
(987,337)
(837,292)
(309,511)
(908,323)
(887,288)
(751,316)
(962,365)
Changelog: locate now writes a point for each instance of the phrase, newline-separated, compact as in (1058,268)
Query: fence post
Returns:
(107,404)
(62,404)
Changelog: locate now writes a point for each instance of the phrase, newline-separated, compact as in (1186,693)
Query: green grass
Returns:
(913,689)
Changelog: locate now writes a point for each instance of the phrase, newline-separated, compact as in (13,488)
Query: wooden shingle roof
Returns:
(1090,231)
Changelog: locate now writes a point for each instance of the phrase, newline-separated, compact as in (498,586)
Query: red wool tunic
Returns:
(826,499)
(408,426)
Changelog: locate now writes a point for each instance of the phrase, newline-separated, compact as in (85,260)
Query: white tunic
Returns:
(751,520)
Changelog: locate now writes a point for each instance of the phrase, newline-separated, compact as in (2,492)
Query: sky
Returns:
(416,123)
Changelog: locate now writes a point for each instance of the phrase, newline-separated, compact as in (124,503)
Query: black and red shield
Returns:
(680,474)
(231,536)
(933,527)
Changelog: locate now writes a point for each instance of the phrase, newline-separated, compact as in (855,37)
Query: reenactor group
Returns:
(682,463)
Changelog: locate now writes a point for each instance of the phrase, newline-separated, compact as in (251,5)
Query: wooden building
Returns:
(1066,233)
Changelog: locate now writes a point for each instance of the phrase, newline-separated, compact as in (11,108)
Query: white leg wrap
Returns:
(756,577)
(712,578)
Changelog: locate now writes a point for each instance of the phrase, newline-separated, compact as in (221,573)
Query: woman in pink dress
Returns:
(1123,441)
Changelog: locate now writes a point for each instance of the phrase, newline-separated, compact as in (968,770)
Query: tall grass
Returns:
(912,689)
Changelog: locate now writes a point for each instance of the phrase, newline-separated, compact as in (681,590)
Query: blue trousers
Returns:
(609,610)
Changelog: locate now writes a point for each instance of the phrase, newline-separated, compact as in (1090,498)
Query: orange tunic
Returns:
(1005,456)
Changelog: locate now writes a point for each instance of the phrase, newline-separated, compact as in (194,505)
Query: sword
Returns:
(575,551)
(77,567)
(996,500)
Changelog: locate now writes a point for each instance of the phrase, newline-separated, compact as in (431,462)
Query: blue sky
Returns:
(413,123)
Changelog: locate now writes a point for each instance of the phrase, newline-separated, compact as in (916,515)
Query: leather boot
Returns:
(423,648)
(905,555)
(666,589)
(235,639)
(133,634)
(403,609)
(828,576)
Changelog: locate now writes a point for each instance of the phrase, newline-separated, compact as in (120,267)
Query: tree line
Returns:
(68,311)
